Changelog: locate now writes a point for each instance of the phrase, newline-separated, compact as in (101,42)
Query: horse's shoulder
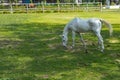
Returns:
(76,19)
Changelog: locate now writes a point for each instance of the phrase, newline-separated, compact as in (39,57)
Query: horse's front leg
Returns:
(73,39)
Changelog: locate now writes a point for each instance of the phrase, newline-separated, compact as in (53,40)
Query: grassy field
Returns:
(31,48)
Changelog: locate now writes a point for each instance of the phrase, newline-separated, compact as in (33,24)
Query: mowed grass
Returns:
(31,48)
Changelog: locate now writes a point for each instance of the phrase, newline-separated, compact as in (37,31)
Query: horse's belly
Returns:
(84,28)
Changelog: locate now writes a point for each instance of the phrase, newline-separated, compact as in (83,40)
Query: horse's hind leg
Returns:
(84,44)
(99,44)
(100,41)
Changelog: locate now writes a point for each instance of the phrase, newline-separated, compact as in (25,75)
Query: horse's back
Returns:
(82,25)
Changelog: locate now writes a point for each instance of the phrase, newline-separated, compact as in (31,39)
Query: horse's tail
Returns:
(108,25)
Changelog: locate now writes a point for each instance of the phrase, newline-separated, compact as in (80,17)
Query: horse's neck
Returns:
(65,32)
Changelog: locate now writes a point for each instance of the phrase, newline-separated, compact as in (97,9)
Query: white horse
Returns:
(79,26)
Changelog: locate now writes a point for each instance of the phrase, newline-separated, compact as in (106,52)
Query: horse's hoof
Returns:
(72,47)
(65,47)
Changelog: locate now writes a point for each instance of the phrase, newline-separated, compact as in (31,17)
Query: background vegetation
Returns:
(31,49)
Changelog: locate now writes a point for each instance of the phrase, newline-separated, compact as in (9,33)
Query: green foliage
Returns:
(31,49)
(58,1)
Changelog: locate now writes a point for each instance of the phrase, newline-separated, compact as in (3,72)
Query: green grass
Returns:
(31,49)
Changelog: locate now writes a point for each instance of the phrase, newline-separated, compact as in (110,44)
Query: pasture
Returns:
(31,48)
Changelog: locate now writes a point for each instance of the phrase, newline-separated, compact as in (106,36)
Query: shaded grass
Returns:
(31,49)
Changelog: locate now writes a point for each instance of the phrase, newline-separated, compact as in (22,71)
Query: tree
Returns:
(58,1)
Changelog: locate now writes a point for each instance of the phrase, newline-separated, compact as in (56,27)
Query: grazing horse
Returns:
(79,26)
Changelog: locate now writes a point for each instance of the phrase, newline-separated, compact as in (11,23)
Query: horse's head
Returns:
(64,40)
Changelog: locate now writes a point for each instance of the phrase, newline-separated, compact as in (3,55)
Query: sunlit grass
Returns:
(31,49)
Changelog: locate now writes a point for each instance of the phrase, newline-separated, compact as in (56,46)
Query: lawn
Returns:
(31,48)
